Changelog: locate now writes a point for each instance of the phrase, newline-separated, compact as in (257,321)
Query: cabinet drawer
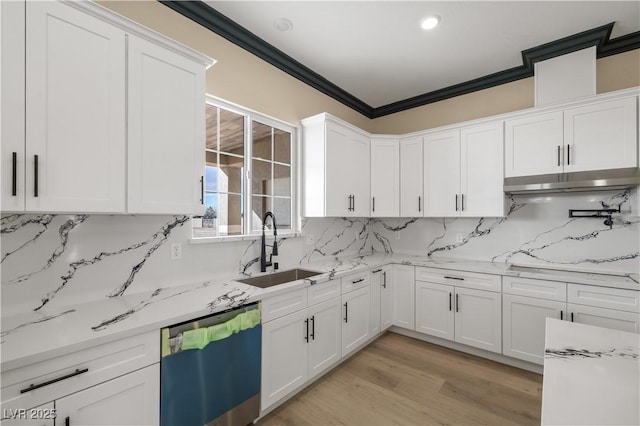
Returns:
(86,368)
(604,297)
(278,306)
(459,278)
(355,281)
(320,292)
(540,289)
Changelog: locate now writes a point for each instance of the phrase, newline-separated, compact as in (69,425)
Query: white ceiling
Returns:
(377,51)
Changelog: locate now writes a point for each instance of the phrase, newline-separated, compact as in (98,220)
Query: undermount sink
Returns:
(269,280)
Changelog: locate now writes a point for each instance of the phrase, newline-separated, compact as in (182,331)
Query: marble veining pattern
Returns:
(40,320)
(570,353)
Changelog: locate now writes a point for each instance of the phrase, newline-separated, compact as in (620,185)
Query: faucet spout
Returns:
(263,251)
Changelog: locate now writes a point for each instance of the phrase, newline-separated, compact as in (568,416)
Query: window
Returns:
(248,168)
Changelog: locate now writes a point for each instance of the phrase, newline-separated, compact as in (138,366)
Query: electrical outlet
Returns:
(458,237)
(176,251)
(309,239)
(397,234)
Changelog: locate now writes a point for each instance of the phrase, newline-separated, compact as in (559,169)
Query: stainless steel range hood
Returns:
(599,180)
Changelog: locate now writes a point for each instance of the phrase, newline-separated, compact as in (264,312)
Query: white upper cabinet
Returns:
(385,178)
(166,143)
(595,136)
(463,172)
(442,174)
(336,169)
(72,155)
(411,179)
(85,91)
(481,175)
(601,136)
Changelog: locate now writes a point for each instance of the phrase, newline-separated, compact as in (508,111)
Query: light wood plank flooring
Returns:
(397,380)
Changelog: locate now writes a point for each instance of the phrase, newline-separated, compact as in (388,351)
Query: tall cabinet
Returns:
(336,168)
(99,114)
(385,178)
(411,178)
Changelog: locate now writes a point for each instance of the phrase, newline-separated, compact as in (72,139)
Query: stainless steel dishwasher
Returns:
(210,369)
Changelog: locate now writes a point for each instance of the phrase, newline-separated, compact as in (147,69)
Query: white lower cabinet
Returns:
(403,296)
(434,309)
(298,346)
(523,325)
(132,399)
(602,317)
(386,298)
(356,317)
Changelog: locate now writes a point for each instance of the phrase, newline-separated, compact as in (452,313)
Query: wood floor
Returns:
(397,380)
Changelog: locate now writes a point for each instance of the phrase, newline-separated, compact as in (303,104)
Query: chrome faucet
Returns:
(274,251)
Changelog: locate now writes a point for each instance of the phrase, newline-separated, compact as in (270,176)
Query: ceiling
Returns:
(376,52)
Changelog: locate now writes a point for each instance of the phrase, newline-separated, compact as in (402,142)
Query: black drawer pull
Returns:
(357,281)
(313,327)
(14,174)
(454,278)
(456,202)
(35,175)
(457,302)
(50,382)
(559,162)
(561,315)
(346,311)
(306,336)
(462,202)
(377,270)
(568,155)
(449,301)
(67,421)
(419,203)
(384,279)
(201,189)
(374,204)
(571,316)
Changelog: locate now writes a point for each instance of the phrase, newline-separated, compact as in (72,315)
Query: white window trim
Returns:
(296,220)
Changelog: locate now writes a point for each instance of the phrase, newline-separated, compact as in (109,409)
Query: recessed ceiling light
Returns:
(430,22)
(283,24)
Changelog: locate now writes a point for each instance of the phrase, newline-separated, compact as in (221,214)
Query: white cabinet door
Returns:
(13,105)
(602,317)
(601,136)
(478,319)
(523,325)
(358,175)
(132,399)
(386,298)
(385,178)
(403,296)
(166,131)
(442,174)
(434,309)
(284,356)
(533,145)
(411,179)
(337,192)
(481,170)
(75,111)
(376,294)
(355,319)
(324,336)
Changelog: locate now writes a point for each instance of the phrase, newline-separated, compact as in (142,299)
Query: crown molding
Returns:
(203,14)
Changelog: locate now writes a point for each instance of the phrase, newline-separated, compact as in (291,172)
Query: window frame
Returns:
(249,117)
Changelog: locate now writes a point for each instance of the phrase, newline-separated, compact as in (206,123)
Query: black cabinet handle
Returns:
(35,175)
(384,279)
(561,315)
(67,421)
(376,271)
(419,203)
(346,311)
(559,162)
(374,203)
(449,301)
(454,278)
(568,155)
(462,202)
(571,316)
(457,302)
(354,202)
(456,202)
(306,325)
(357,281)
(202,190)
(50,382)
(313,327)
(14,174)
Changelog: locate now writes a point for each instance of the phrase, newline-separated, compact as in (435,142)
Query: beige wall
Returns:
(244,79)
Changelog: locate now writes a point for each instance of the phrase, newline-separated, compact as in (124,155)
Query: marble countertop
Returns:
(591,375)
(37,336)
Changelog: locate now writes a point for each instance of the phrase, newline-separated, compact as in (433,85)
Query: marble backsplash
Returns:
(51,261)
